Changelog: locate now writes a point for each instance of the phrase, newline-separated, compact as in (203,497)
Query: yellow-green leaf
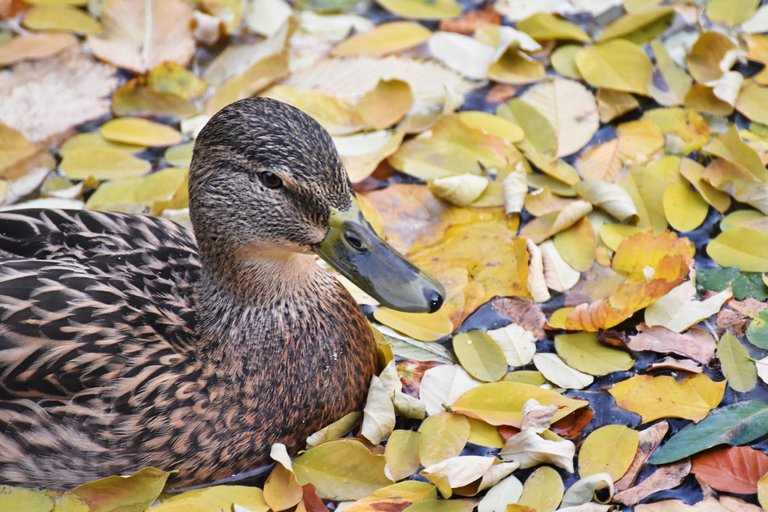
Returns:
(501,403)
(731,12)
(584,352)
(543,490)
(743,247)
(102,163)
(422,9)
(385,104)
(609,449)
(684,207)
(442,436)
(220,497)
(395,497)
(654,397)
(402,454)
(133,493)
(739,369)
(635,21)
(544,26)
(341,470)
(65,18)
(753,102)
(480,355)
(131,130)
(24,500)
(384,39)
(577,245)
(618,65)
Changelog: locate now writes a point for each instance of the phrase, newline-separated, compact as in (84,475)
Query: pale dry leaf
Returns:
(529,449)
(379,412)
(140,35)
(696,344)
(46,98)
(442,385)
(663,478)
(608,196)
(537,283)
(517,343)
(506,492)
(558,372)
(650,439)
(34,47)
(584,490)
(558,275)
(678,315)
(515,189)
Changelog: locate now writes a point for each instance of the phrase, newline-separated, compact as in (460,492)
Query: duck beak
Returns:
(354,249)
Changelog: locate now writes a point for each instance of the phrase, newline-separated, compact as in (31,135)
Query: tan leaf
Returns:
(34,47)
(140,35)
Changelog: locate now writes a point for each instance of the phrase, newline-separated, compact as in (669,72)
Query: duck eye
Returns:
(270,179)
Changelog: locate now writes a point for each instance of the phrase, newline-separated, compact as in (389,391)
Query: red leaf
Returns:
(311,501)
(732,469)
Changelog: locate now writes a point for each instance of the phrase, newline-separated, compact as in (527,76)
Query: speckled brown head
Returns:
(266,178)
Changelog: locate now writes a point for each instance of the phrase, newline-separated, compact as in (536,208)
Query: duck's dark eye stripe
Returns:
(270,179)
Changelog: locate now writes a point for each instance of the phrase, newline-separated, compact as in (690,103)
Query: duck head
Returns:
(266,181)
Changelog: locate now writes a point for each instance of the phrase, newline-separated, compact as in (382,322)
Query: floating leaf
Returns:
(737,367)
(563,60)
(341,470)
(678,310)
(544,26)
(422,9)
(140,132)
(744,247)
(618,65)
(442,436)
(734,469)
(501,403)
(102,163)
(386,38)
(61,17)
(385,104)
(752,102)
(480,355)
(636,21)
(281,490)
(140,35)
(731,12)
(664,397)
(696,344)
(442,385)
(711,56)
(34,47)
(608,449)
(577,245)
(559,373)
(395,497)
(402,454)
(222,497)
(585,353)
(543,490)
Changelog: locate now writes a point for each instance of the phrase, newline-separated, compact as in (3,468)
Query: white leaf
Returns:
(379,412)
(537,283)
(515,189)
(583,491)
(409,348)
(460,471)
(265,17)
(556,371)
(518,344)
(608,196)
(558,275)
(279,453)
(461,190)
(530,449)
(758,22)
(462,53)
(442,385)
(678,310)
(536,417)
(506,492)
(496,473)
(727,87)
(762,369)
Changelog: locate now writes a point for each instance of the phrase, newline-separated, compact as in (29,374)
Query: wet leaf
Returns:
(341,470)
(618,65)
(559,373)
(220,497)
(422,9)
(480,355)
(696,343)
(61,18)
(543,490)
(34,47)
(402,454)
(442,436)
(743,246)
(395,497)
(386,38)
(744,284)
(736,424)
(585,353)
(737,367)
(635,21)
(442,385)
(608,449)
(501,403)
(664,397)
(734,469)
(140,35)
(544,26)
(731,13)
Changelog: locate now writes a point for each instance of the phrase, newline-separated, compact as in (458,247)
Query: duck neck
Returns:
(251,300)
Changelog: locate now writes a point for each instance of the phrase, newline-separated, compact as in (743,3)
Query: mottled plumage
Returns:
(125,342)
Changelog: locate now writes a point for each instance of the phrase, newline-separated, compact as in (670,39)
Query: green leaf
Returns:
(737,366)
(585,353)
(220,497)
(116,493)
(757,332)
(341,470)
(744,284)
(736,424)
(480,355)
(24,500)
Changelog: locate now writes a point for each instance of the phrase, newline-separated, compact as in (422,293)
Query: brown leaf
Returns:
(650,439)
(471,21)
(46,98)
(521,312)
(663,478)
(697,343)
(731,468)
(312,502)
(140,35)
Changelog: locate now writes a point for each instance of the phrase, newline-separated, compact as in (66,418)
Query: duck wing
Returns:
(84,295)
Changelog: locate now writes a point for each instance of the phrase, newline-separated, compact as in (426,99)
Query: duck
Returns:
(128,341)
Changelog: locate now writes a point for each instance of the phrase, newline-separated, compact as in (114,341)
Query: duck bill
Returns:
(354,249)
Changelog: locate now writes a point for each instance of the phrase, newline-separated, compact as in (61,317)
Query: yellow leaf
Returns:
(613,234)
(341,470)
(710,56)
(585,353)
(609,197)
(539,131)
(753,102)
(563,60)
(731,12)
(395,496)
(645,185)
(25,500)
(385,104)
(541,228)
(34,47)
(612,104)
(64,18)
(669,256)
(570,108)
(516,67)
(670,84)
(694,173)
(131,130)
(422,9)
(118,195)
(542,491)
(559,373)
(501,403)
(483,434)
(386,38)
(480,355)
(337,116)
(618,65)
(135,492)
(635,142)
(281,490)
(420,326)
(737,367)
(577,245)
(461,190)
(685,130)
(609,449)
(492,125)
(654,397)
(102,163)
(703,99)
(685,209)
(628,25)
(544,26)
(744,247)
(402,454)
(255,78)
(442,436)
(14,147)
(362,153)
(762,491)
(160,185)
(729,146)
(222,497)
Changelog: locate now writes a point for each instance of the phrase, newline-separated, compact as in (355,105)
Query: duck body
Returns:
(102,370)
(125,341)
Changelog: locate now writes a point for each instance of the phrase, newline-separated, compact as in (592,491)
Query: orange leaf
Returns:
(731,469)
(668,255)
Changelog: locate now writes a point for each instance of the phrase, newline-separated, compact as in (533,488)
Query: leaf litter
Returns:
(600,164)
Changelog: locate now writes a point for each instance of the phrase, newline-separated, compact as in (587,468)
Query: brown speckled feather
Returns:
(120,349)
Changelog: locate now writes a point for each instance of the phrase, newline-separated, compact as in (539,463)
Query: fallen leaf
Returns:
(140,35)
(654,397)
(335,430)
(34,47)
(395,497)
(664,478)
(141,132)
(737,367)
(649,440)
(496,499)
(442,385)
(585,353)
(712,55)
(392,37)
(696,343)
(543,490)
(559,373)
(422,9)
(619,65)
(443,436)
(731,13)
(678,310)
(640,20)
(61,18)
(220,497)
(114,492)
(544,26)
(735,469)
(480,355)
(608,449)
(402,454)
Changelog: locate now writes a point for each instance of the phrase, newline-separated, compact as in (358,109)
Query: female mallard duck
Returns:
(123,343)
